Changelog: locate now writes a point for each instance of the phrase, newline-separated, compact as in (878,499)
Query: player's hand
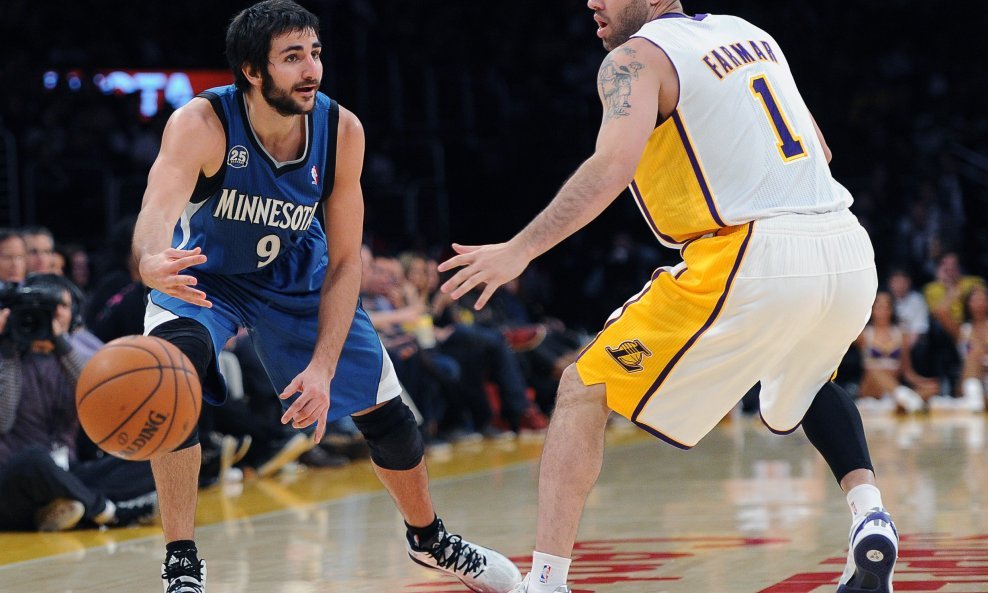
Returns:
(491,265)
(161,272)
(312,405)
(4,314)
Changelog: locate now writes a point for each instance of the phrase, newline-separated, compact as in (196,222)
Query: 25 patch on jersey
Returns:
(238,157)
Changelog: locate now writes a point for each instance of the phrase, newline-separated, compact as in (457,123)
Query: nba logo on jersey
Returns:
(544,575)
(238,157)
(315,175)
(629,354)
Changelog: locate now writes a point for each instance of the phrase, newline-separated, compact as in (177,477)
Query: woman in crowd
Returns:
(887,368)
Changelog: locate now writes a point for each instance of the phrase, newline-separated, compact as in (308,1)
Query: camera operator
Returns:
(42,351)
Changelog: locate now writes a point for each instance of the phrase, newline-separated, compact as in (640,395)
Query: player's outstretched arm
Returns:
(193,138)
(628,82)
(344,210)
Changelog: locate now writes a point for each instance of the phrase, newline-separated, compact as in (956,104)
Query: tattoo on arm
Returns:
(614,81)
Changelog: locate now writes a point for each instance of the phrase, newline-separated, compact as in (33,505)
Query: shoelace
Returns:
(453,553)
(183,575)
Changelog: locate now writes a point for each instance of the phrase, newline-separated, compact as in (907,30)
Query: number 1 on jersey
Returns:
(790,145)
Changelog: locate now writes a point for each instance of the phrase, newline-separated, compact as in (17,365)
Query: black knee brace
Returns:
(193,339)
(392,435)
(833,425)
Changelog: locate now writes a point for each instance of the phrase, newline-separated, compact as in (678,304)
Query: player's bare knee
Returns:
(573,392)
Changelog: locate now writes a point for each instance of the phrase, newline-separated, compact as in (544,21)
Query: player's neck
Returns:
(269,125)
(668,8)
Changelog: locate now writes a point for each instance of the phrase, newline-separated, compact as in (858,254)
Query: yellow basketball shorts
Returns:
(777,300)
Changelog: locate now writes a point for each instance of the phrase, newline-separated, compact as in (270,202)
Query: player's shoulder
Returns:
(349,122)
(198,116)
(195,132)
(634,55)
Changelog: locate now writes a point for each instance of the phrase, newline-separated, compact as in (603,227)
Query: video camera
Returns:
(31,311)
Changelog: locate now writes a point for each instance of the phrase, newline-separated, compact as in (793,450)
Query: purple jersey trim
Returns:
(776,430)
(691,154)
(637,195)
(696,336)
(661,436)
(679,15)
(624,308)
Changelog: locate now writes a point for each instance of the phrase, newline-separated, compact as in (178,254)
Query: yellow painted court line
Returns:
(259,497)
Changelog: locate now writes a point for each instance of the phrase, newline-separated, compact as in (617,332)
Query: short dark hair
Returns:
(37,230)
(9,233)
(248,38)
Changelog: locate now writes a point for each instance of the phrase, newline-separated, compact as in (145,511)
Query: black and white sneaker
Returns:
(872,551)
(481,569)
(140,510)
(184,572)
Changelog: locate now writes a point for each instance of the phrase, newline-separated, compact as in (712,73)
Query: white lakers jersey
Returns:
(740,145)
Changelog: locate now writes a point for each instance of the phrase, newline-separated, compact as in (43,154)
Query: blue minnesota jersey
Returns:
(259,215)
(255,220)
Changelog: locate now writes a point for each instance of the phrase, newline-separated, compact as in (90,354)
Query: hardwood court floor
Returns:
(746,511)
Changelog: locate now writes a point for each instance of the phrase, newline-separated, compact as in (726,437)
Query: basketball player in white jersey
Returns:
(704,122)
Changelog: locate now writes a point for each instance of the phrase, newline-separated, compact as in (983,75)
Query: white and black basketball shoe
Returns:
(481,569)
(873,547)
(184,572)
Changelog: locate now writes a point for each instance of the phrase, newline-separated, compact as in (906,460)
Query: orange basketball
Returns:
(138,397)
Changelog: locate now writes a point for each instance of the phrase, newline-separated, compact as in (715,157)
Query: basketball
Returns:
(138,397)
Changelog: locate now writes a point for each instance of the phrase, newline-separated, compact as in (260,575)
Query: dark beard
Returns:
(280,100)
(633,17)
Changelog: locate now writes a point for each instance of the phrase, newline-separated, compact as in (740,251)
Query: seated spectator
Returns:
(971,338)
(486,359)
(399,315)
(946,295)
(76,265)
(122,313)
(926,348)
(887,369)
(13,257)
(115,270)
(42,484)
(544,345)
(40,251)
(910,306)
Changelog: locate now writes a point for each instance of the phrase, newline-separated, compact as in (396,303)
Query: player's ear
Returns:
(252,73)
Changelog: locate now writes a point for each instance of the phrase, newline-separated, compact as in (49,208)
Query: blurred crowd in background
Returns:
(474,115)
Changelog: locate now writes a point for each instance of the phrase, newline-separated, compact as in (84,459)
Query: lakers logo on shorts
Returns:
(629,354)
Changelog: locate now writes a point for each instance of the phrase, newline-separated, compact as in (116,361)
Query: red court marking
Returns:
(629,560)
(928,562)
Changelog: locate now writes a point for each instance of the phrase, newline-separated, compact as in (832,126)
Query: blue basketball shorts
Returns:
(283,329)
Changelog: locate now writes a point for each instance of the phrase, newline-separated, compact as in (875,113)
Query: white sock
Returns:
(108,514)
(548,572)
(863,498)
(973,391)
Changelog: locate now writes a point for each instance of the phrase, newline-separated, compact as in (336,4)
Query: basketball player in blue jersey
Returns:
(704,122)
(228,236)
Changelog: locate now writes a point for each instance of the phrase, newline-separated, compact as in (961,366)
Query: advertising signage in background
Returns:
(177,87)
